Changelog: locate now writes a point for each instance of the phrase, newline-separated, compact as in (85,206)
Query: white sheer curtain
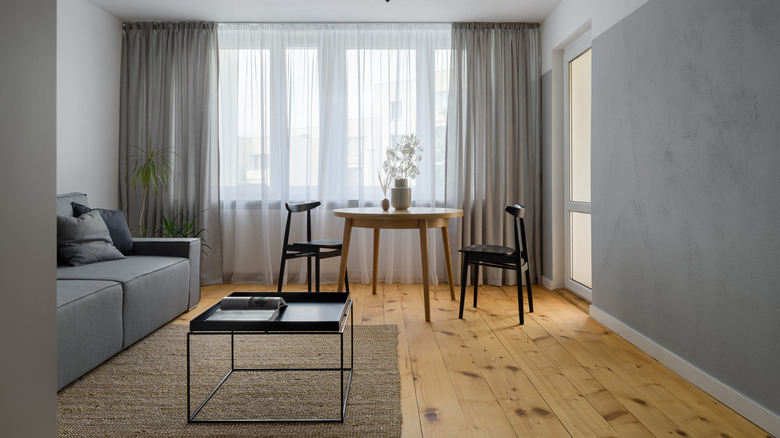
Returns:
(306,113)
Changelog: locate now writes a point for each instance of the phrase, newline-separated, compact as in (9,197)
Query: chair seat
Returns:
(294,253)
(489,249)
(322,243)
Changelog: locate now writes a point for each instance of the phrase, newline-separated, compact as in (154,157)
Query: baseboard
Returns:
(586,294)
(546,282)
(730,397)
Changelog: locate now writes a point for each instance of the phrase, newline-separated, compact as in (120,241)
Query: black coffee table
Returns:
(307,313)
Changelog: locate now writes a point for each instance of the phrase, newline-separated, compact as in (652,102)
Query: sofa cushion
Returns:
(116,224)
(122,271)
(64,208)
(89,326)
(152,300)
(155,289)
(85,239)
(188,248)
(70,291)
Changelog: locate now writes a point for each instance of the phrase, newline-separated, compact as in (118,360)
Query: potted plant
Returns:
(151,166)
(180,226)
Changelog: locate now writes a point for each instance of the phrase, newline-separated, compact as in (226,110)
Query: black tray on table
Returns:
(305,311)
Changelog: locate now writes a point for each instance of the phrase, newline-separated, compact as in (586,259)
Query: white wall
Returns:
(572,17)
(28,329)
(88,72)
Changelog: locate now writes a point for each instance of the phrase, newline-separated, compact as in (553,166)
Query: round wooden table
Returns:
(421,218)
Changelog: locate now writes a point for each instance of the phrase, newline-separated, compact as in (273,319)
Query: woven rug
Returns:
(142,391)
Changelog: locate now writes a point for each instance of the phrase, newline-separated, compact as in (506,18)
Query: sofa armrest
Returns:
(164,246)
(188,248)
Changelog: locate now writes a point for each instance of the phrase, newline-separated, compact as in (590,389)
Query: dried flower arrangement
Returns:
(402,158)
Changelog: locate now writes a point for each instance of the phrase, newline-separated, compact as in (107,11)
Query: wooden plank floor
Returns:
(560,374)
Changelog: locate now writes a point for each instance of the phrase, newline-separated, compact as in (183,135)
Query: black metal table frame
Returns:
(344,392)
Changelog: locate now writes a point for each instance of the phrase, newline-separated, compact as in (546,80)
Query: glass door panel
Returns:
(580,248)
(579,91)
(578,178)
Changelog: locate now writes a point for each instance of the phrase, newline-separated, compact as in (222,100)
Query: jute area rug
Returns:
(143,390)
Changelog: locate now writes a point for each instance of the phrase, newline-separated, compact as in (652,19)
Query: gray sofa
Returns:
(104,307)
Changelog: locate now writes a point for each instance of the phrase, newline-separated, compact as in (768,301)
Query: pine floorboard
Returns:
(560,374)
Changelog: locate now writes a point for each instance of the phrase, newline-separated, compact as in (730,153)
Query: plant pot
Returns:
(385,204)
(401,194)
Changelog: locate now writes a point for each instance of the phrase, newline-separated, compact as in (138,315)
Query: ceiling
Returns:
(425,11)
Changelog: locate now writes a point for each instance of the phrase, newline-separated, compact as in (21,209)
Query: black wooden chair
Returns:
(317,249)
(500,257)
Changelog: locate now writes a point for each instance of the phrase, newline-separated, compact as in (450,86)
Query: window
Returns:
(306,112)
(302,80)
(381,96)
(396,110)
(442,86)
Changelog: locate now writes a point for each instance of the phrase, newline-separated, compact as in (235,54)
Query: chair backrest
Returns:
(518,211)
(299,208)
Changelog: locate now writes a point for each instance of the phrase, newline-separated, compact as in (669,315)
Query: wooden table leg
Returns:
(424,254)
(376,259)
(445,237)
(344,252)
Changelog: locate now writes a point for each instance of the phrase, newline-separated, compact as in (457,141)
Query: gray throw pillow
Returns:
(115,222)
(85,239)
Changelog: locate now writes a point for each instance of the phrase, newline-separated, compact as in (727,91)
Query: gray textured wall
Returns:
(686,184)
(547,165)
(28,326)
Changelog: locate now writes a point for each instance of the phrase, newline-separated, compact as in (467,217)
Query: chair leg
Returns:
(520,296)
(346,280)
(463,275)
(308,273)
(281,272)
(475,280)
(530,295)
(317,271)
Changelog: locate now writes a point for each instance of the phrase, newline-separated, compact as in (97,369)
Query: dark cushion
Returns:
(115,222)
(85,239)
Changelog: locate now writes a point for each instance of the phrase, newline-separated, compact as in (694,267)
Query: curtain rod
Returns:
(299,23)
(496,23)
(333,22)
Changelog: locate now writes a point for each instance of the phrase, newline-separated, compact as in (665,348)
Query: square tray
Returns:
(305,311)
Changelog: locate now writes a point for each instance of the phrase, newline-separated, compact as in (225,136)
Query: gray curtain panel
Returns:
(494,137)
(169,96)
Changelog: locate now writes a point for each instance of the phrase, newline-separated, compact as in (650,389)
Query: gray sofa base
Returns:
(89,326)
(105,307)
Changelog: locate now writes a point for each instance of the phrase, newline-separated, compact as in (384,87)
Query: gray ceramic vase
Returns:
(401,194)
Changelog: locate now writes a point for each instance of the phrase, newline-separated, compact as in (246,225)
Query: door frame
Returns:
(571,52)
